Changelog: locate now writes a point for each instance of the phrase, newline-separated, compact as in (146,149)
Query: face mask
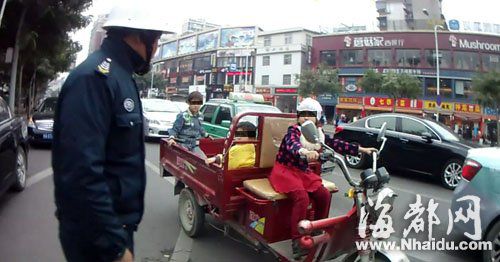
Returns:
(148,38)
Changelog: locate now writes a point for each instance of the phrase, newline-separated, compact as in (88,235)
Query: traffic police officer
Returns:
(98,147)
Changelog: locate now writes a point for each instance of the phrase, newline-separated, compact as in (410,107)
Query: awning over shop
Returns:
(448,113)
(409,111)
(468,116)
(374,108)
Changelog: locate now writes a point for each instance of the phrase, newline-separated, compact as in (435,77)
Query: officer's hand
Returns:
(171,142)
(127,257)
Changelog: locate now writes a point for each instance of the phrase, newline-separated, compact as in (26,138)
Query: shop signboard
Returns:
(285,90)
(467,108)
(207,41)
(378,101)
(237,37)
(372,41)
(490,111)
(351,100)
(431,105)
(262,90)
(409,103)
(228,88)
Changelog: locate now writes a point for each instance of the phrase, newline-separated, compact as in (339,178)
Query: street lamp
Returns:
(437,70)
(438,82)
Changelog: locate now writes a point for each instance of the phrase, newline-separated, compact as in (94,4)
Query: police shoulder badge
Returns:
(103,67)
(128,104)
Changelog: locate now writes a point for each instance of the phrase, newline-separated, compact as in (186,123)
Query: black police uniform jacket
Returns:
(98,149)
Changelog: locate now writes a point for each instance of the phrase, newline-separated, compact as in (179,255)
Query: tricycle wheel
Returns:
(191,214)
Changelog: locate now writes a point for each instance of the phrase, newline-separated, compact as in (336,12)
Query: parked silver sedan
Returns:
(159,116)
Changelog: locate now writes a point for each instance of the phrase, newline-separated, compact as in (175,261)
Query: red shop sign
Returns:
(286,90)
(378,101)
(409,103)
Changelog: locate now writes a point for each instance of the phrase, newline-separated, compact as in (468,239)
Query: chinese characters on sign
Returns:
(467,108)
(372,41)
(409,71)
(409,103)
(350,100)
(429,104)
(379,101)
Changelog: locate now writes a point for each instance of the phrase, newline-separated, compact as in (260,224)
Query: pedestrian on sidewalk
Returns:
(98,149)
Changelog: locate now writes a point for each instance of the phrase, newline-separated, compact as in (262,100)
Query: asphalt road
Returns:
(29,229)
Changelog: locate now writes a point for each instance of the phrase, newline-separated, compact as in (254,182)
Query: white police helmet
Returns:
(309,104)
(140,16)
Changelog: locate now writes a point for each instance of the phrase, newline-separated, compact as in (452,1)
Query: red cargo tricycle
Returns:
(244,200)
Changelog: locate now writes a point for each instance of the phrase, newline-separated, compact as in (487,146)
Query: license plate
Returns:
(47,136)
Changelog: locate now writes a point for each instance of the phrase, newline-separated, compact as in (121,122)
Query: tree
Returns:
(144,81)
(486,88)
(39,32)
(394,85)
(323,80)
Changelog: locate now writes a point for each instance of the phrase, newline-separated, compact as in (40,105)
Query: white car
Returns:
(159,116)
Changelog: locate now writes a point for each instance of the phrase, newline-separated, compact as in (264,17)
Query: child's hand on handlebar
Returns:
(367,150)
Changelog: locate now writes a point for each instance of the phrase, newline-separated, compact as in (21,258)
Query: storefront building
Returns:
(218,60)
(461,55)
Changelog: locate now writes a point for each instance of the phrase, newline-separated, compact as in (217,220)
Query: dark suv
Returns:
(13,150)
(40,124)
(413,144)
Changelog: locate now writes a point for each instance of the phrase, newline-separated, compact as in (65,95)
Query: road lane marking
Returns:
(184,244)
(34,179)
(38,177)
(156,170)
(183,248)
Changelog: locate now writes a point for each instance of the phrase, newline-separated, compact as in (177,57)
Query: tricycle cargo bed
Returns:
(215,186)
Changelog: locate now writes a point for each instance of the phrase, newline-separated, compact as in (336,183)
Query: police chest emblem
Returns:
(128,104)
(103,67)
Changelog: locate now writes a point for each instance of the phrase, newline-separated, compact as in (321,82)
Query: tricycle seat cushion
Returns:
(262,188)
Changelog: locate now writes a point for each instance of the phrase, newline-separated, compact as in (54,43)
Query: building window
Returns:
(380,57)
(267,40)
(288,39)
(444,87)
(309,40)
(202,63)
(444,58)
(328,57)
(352,57)
(287,59)
(185,65)
(287,79)
(242,61)
(408,57)
(463,89)
(466,60)
(266,60)
(265,80)
(491,62)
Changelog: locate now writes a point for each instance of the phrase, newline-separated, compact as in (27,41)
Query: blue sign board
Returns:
(438,100)
(454,24)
